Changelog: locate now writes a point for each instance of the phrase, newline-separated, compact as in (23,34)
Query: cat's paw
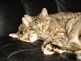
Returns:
(47,50)
(50,49)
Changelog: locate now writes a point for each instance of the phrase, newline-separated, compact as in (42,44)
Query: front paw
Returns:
(50,49)
(47,50)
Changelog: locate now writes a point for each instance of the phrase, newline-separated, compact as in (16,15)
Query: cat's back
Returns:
(59,23)
(65,16)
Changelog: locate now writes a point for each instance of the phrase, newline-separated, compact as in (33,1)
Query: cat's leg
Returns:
(47,47)
(50,46)
(74,36)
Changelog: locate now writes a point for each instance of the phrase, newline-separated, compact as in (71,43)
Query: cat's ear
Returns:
(13,35)
(44,12)
(26,19)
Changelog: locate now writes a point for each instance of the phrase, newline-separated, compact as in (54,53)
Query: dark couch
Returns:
(11,13)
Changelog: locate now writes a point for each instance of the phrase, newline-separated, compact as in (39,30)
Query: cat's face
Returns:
(27,32)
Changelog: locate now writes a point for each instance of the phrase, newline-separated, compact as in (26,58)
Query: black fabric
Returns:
(69,5)
(34,7)
(14,50)
(11,13)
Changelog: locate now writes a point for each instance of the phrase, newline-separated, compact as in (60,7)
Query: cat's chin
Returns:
(33,39)
(29,40)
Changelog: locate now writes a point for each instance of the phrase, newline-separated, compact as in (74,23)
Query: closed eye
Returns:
(21,32)
(79,37)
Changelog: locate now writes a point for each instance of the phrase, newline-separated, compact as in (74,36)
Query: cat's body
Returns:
(59,31)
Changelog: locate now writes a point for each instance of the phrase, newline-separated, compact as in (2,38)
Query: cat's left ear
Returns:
(14,35)
(26,19)
(44,12)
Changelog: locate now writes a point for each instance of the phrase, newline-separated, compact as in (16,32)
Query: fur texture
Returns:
(61,31)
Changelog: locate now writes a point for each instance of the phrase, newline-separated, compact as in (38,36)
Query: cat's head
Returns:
(26,32)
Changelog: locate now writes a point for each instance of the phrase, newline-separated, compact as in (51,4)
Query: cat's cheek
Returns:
(23,39)
(33,38)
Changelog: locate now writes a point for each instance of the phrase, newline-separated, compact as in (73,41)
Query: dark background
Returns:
(11,13)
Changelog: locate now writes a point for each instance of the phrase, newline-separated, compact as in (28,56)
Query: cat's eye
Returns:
(79,37)
(21,32)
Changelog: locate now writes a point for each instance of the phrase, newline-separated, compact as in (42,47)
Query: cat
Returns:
(60,31)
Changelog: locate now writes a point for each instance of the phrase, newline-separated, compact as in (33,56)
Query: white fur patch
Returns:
(13,35)
(47,52)
(33,38)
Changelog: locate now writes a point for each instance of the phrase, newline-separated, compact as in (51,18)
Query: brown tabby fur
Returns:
(60,31)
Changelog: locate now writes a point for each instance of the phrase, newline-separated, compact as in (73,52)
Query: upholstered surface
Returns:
(15,50)
(11,13)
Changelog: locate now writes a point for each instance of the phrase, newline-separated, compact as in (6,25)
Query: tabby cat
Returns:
(61,31)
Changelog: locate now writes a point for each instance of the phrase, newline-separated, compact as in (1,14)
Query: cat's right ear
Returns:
(44,12)
(13,35)
(26,19)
